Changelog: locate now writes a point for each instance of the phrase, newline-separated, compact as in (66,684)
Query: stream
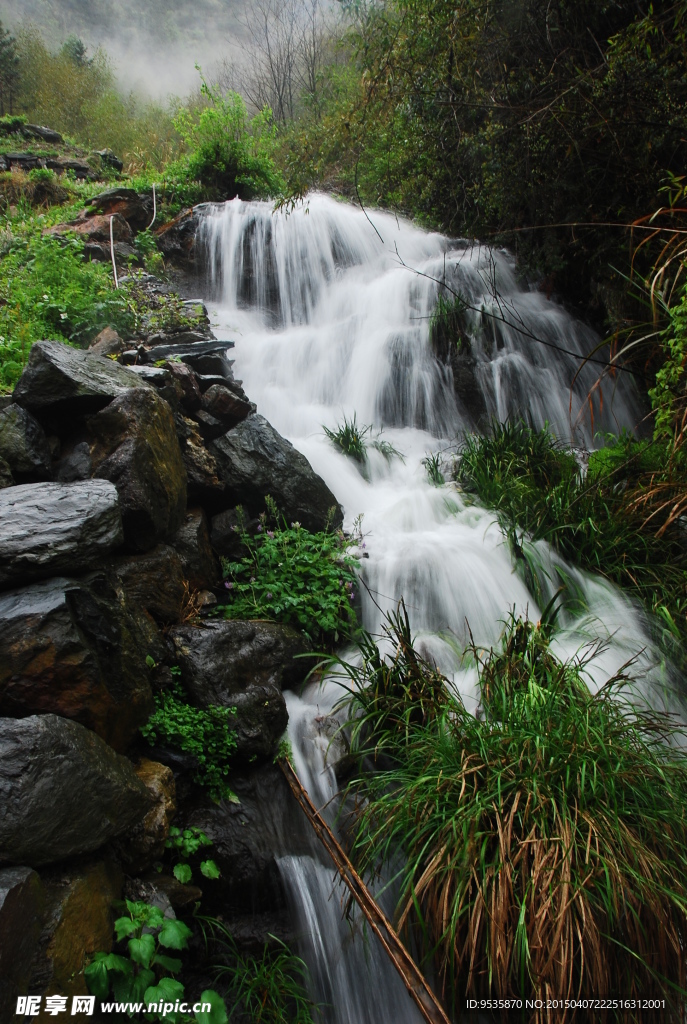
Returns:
(330,310)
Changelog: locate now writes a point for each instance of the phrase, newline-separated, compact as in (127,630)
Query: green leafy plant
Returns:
(147,974)
(294,576)
(185,844)
(543,842)
(207,734)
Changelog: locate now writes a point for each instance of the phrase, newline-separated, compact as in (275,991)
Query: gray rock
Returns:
(60,381)
(46,529)
(110,158)
(22,908)
(243,665)
(253,460)
(76,649)
(245,842)
(23,444)
(135,446)
(75,464)
(188,353)
(107,343)
(192,542)
(154,581)
(63,791)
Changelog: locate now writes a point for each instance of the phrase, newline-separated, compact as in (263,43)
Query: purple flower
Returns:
(352,595)
(252,579)
(229,586)
(363,545)
(268,595)
(270,534)
(260,528)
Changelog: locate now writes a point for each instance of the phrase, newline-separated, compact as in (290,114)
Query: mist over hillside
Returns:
(154,44)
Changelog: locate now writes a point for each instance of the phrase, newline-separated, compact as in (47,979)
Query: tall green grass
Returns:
(544,841)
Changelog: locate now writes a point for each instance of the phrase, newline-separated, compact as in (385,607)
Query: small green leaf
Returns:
(170,963)
(97,978)
(209,869)
(167,990)
(150,661)
(182,873)
(174,934)
(142,950)
(218,1013)
(124,926)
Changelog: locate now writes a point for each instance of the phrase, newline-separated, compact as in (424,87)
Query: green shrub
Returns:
(294,576)
(148,973)
(229,152)
(184,845)
(207,734)
(543,843)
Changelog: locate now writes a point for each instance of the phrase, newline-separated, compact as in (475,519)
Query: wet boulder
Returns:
(52,528)
(134,445)
(145,843)
(107,343)
(63,791)
(79,922)
(222,658)
(93,227)
(243,837)
(60,381)
(243,665)
(22,909)
(192,542)
(154,581)
(76,649)
(253,460)
(23,444)
(227,404)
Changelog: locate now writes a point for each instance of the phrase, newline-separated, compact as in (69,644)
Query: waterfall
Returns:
(330,309)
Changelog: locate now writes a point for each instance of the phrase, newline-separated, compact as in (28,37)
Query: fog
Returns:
(154,45)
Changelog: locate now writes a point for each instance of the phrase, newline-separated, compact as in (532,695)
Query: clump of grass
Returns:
(270,988)
(352,440)
(432,464)
(535,486)
(544,841)
(349,438)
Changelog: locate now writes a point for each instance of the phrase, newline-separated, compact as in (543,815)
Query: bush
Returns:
(544,841)
(229,153)
(207,734)
(293,576)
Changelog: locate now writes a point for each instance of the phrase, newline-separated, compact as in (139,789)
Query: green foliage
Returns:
(543,842)
(185,845)
(294,576)
(153,311)
(534,485)
(265,989)
(49,291)
(148,974)
(228,151)
(554,113)
(207,734)
(667,396)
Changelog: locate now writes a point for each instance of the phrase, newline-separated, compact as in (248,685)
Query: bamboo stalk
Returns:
(412,977)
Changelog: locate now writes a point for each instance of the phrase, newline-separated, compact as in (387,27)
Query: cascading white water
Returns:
(330,310)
